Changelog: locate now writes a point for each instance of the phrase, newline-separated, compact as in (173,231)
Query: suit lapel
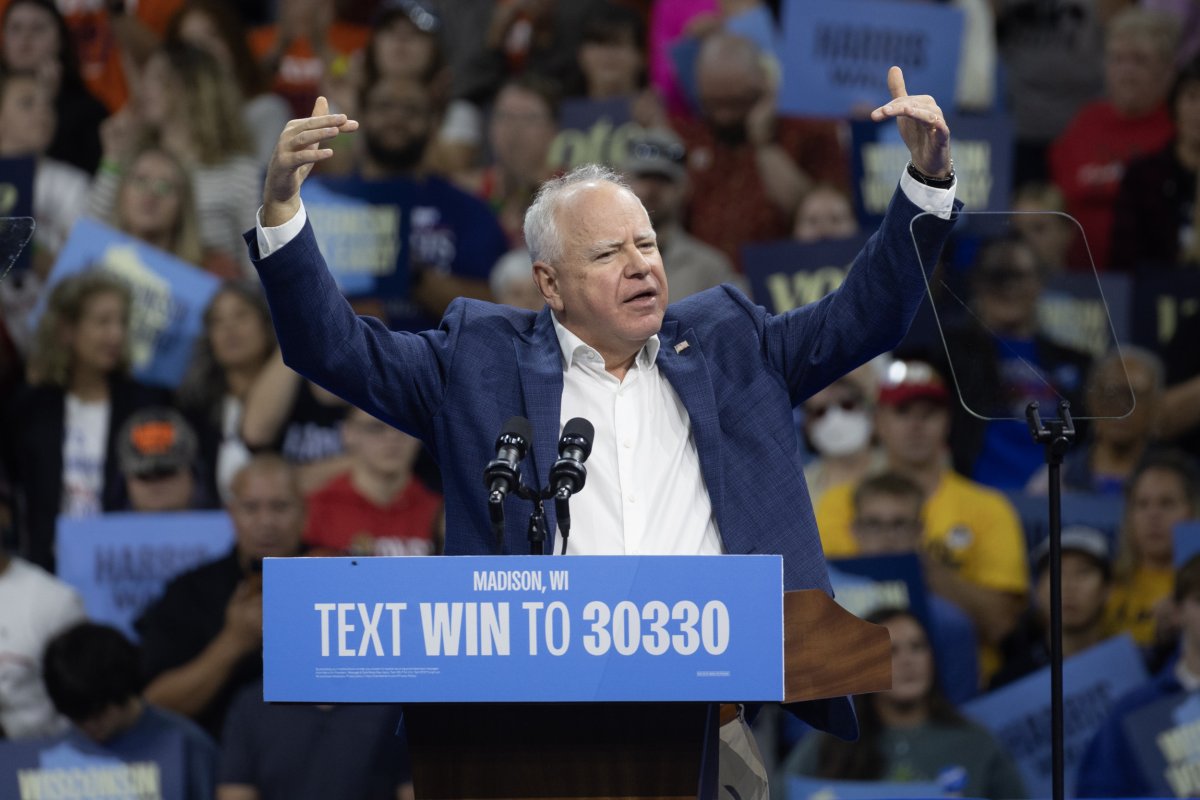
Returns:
(684,365)
(539,363)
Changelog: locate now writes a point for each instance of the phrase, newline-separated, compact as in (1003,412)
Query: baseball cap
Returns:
(1077,539)
(655,152)
(155,441)
(423,17)
(905,381)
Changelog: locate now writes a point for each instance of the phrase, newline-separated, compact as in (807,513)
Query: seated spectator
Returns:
(521,128)
(34,607)
(59,189)
(155,203)
(349,751)
(214,26)
(654,167)
(1038,219)
(839,427)
(739,149)
(1109,767)
(910,733)
(1086,578)
(1088,160)
(91,673)
(299,420)
(80,396)
(191,108)
(512,283)
(975,548)
(378,507)
(888,520)
(202,640)
(1002,361)
(237,343)
(157,454)
(36,39)
(1154,217)
(305,50)
(407,41)
(1163,491)
(824,213)
(1124,394)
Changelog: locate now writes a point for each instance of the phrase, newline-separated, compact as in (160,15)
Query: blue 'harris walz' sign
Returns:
(523,629)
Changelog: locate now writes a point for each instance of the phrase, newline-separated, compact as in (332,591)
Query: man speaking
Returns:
(695,451)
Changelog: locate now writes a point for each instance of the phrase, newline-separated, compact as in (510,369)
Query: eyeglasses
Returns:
(157,474)
(650,151)
(895,527)
(846,404)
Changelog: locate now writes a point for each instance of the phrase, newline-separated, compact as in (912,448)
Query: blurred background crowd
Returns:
(156,118)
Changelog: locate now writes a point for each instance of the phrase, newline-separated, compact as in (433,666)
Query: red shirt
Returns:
(1088,161)
(342,519)
(729,202)
(301,71)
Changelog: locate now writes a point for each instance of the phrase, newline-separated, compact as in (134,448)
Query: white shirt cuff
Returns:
(939,202)
(271,239)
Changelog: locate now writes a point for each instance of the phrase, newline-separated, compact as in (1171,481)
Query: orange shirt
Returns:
(300,71)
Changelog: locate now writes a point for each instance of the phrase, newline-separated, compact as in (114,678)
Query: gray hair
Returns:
(1131,353)
(542,236)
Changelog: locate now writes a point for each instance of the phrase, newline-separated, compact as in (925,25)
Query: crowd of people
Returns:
(158,119)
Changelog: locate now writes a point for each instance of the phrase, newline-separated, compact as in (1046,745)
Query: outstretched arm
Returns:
(298,149)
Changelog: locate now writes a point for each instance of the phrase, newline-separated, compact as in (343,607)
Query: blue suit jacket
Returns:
(739,376)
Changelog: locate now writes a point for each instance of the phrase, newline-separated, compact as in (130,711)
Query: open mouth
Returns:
(649,295)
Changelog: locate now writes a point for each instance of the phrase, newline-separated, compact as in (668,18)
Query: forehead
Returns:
(598,212)
(394,89)
(262,484)
(886,502)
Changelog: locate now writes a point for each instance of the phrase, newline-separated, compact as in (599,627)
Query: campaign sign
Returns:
(1163,301)
(1099,511)
(1187,542)
(120,563)
(360,240)
(1073,310)
(593,132)
(1165,737)
(523,629)
(16,200)
(835,56)
(983,153)
(787,274)
(72,767)
(169,296)
(799,788)
(865,584)
(1018,715)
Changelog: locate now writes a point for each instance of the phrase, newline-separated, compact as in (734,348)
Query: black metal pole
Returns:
(1056,437)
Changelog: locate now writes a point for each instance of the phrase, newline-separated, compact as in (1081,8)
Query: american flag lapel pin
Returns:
(679,348)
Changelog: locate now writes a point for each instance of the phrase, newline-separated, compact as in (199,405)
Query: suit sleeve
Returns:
(871,311)
(397,376)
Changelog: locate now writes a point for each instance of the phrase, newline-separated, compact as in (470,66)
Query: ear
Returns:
(545,275)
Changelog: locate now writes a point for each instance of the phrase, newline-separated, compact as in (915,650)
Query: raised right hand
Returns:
(298,148)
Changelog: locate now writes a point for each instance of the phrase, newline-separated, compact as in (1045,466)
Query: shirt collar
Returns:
(571,346)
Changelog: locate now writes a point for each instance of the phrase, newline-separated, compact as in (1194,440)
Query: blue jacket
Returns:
(739,375)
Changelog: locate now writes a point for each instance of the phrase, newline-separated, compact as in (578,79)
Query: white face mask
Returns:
(839,432)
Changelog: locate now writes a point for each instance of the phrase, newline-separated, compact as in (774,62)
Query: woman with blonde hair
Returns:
(188,105)
(155,203)
(61,429)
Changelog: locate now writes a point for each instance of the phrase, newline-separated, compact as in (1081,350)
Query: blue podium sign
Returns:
(523,629)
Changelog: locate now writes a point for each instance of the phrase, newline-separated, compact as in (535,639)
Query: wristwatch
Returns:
(929,180)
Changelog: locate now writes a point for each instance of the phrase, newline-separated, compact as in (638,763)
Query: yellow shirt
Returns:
(1131,603)
(970,527)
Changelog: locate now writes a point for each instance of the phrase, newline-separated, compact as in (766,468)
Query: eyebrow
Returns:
(604,247)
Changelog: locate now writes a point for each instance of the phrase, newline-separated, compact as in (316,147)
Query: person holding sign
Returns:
(695,450)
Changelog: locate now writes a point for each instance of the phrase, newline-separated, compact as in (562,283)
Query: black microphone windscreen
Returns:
(518,426)
(582,431)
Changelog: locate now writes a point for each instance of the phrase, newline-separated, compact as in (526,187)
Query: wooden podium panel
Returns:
(555,750)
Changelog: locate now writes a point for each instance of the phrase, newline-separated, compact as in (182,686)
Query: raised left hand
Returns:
(922,126)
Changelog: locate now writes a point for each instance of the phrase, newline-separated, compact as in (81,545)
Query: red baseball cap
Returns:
(906,381)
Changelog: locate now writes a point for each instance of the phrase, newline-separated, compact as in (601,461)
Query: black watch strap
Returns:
(929,180)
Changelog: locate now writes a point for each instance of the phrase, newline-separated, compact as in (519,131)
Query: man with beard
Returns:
(749,170)
(452,239)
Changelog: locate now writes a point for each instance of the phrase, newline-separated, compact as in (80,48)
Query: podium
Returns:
(620,698)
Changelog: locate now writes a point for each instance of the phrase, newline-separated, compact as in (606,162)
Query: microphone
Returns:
(501,475)
(568,474)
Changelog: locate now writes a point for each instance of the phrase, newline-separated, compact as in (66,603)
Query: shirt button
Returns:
(628,443)
(632,498)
